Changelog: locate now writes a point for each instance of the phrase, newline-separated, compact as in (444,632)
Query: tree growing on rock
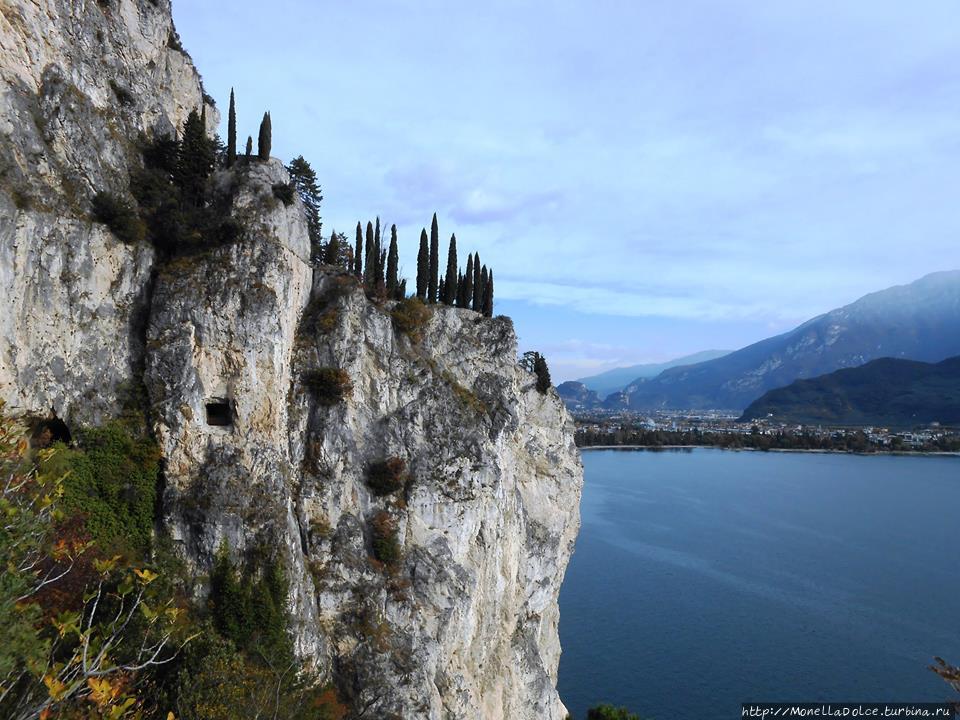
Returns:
(232,132)
(477,284)
(305,180)
(434,261)
(450,281)
(265,139)
(393,261)
(249,151)
(358,253)
(423,267)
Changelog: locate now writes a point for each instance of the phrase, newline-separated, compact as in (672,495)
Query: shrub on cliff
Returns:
(387,476)
(410,317)
(609,712)
(386,547)
(330,386)
(284,193)
(111,483)
(119,216)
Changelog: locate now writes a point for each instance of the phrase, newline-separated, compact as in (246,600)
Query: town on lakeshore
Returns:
(717,428)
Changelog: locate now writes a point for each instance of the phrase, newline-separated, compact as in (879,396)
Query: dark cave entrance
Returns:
(49,431)
(219,412)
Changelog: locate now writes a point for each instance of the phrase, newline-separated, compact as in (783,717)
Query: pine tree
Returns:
(477,284)
(266,138)
(393,260)
(542,372)
(488,296)
(305,180)
(432,296)
(423,267)
(232,132)
(450,284)
(195,159)
(332,254)
(468,283)
(358,253)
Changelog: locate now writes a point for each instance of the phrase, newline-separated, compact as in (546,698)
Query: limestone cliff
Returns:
(226,341)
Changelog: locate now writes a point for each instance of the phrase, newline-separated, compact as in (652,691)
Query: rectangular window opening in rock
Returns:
(219,412)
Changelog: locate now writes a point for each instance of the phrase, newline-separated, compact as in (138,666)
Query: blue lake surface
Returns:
(707,578)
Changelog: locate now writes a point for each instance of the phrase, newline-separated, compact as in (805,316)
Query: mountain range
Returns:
(890,392)
(918,321)
(615,380)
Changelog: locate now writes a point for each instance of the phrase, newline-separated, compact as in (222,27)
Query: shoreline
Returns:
(906,453)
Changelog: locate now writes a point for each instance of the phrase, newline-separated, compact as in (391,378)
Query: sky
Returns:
(647,179)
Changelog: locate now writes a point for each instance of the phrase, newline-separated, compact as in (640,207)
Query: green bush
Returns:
(609,712)
(251,611)
(284,193)
(387,476)
(119,216)
(112,485)
(386,547)
(330,386)
(410,317)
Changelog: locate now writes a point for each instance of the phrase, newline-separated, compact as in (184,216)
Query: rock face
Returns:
(81,81)
(232,344)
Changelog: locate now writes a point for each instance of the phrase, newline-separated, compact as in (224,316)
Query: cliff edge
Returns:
(279,392)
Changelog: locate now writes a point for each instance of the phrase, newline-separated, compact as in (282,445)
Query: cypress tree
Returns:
(440,289)
(232,132)
(450,284)
(249,152)
(461,286)
(358,253)
(488,296)
(381,272)
(432,296)
(477,284)
(484,278)
(369,261)
(266,138)
(393,260)
(332,254)
(423,267)
(468,283)
(402,289)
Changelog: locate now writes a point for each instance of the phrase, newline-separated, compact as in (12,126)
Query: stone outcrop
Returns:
(228,343)
(80,81)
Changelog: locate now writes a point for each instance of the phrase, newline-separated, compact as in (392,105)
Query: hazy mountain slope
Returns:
(883,392)
(617,379)
(577,396)
(919,321)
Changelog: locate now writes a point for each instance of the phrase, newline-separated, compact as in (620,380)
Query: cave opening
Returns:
(219,413)
(48,431)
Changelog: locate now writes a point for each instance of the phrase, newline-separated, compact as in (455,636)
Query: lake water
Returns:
(706,578)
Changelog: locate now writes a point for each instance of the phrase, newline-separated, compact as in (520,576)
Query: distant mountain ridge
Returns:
(611,381)
(919,321)
(889,391)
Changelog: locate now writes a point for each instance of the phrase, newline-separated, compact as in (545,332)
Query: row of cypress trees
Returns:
(471,289)
(376,266)
(264,136)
